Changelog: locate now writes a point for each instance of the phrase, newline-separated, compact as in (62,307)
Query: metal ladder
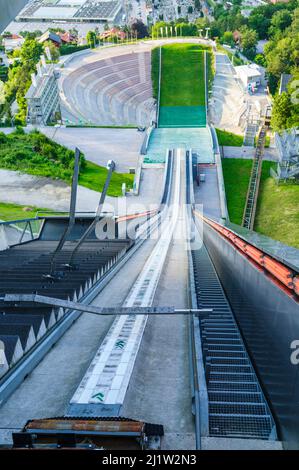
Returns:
(237,406)
(253,188)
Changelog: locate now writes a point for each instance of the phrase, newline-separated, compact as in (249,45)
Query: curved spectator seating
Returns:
(112,91)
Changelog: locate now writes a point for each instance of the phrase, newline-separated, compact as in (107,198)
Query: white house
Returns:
(248,74)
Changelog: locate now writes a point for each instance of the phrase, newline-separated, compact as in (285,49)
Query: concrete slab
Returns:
(270,154)
(207,193)
(101,144)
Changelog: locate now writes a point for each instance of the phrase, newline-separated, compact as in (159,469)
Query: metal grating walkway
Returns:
(237,406)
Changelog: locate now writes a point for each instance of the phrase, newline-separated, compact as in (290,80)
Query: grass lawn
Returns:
(236,173)
(94,176)
(182,81)
(278,210)
(229,139)
(36,154)
(16,212)
(267,141)
(277,214)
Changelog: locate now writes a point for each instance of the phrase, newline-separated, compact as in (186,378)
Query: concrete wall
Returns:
(269,321)
(9,9)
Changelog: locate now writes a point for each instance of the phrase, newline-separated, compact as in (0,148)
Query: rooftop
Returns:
(284,81)
(248,70)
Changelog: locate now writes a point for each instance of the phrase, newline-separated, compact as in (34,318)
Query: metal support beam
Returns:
(67,304)
(110,167)
(72,212)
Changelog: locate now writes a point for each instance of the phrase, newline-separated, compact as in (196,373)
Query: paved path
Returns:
(100,145)
(55,195)
(228,99)
(270,154)
(207,193)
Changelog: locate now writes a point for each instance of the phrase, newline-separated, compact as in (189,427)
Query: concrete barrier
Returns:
(221,187)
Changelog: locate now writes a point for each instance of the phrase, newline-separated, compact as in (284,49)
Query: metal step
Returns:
(237,406)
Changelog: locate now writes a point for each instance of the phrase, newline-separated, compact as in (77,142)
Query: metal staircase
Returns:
(237,406)
(290,169)
(252,125)
(254,182)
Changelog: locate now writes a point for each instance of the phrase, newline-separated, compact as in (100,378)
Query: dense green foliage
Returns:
(35,154)
(66,49)
(285,113)
(92,39)
(19,79)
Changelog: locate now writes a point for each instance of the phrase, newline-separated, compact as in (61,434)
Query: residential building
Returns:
(248,74)
(49,36)
(43,95)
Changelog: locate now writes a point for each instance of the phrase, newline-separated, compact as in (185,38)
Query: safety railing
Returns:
(19,231)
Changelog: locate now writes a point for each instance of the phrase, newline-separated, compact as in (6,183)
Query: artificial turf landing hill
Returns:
(182,95)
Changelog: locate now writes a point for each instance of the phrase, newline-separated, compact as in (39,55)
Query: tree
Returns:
(2,93)
(228,38)
(249,40)
(139,29)
(30,34)
(55,54)
(280,21)
(74,32)
(92,39)
(260,24)
(281,112)
(31,51)
(190,9)
(186,29)
(260,60)
(279,57)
